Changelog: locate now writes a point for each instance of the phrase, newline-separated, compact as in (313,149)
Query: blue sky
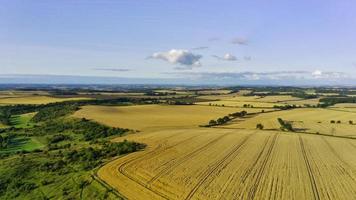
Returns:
(180,39)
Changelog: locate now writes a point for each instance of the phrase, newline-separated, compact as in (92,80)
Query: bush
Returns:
(58,138)
(285,125)
(212,122)
(259,126)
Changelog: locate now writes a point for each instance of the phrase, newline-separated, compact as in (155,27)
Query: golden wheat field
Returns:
(311,120)
(235,164)
(34,99)
(233,161)
(144,117)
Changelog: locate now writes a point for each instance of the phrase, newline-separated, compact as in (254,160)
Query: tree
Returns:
(285,125)
(1,141)
(226,119)
(212,122)
(351,122)
(220,121)
(338,121)
(332,121)
(259,126)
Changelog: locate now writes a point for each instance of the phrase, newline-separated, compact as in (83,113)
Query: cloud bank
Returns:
(112,69)
(278,76)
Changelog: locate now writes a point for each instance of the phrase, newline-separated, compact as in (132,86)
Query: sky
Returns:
(222,41)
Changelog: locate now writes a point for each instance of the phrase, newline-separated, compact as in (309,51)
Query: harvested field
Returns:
(235,164)
(231,161)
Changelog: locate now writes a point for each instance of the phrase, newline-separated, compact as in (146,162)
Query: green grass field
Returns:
(23,144)
(22,121)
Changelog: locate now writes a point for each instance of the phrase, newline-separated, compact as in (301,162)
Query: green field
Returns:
(22,121)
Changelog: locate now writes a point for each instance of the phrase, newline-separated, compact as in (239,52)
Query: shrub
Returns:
(212,122)
(259,126)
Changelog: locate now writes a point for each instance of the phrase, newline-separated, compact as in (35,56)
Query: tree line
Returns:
(225,119)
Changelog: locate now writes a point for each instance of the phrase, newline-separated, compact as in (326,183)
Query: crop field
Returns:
(302,102)
(345,105)
(240,103)
(34,100)
(155,116)
(309,120)
(267,99)
(232,161)
(157,150)
(256,101)
(230,164)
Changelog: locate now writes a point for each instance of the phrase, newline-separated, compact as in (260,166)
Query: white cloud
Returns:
(179,56)
(227,57)
(317,73)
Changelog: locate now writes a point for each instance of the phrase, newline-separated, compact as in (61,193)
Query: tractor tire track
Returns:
(332,149)
(253,189)
(246,173)
(207,173)
(174,163)
(309,170)
(156,151)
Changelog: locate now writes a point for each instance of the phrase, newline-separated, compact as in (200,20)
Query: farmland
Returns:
(224,164)
(144,117)
(210,144)
(33,99)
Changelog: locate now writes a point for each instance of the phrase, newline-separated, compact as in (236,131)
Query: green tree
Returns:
(212,122)
(259,126)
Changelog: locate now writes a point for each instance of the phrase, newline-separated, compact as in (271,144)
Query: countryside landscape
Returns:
(177,100)
(178,143)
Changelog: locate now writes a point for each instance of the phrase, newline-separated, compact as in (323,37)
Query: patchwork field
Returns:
(311,120)
(233,161)
(34,100)
(256,101)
